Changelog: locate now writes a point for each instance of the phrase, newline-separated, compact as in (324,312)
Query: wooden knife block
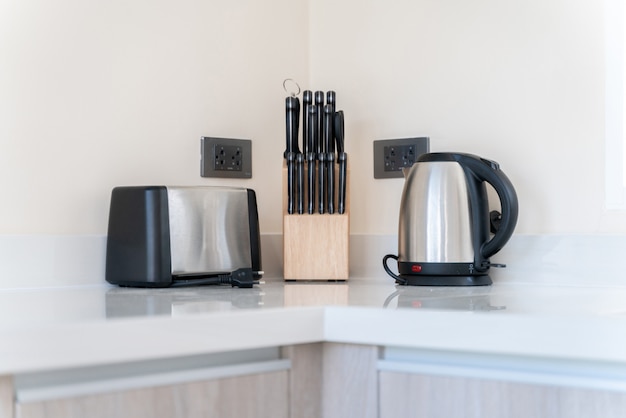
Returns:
(316,246)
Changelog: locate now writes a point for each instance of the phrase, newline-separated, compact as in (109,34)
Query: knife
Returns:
(321,180)
(307,100)
(342,158)
(331,99)
(319,102)
(291,106)
(319,149)
(329,140)
(297,171)
(343,162)
(311,157)
(296,125)
(338,130)
(300,182)
(291,167)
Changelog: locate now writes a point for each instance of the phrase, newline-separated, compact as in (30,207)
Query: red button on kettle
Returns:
(416,268)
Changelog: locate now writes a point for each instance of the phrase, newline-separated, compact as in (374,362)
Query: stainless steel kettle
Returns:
(444,226)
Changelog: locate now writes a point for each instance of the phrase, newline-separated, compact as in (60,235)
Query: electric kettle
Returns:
(444,227)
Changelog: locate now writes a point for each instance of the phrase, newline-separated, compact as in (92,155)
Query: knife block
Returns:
(316,246)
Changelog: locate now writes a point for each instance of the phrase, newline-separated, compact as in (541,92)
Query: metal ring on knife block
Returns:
(292,83)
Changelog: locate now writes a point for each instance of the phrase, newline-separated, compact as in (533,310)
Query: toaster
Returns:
(162,236)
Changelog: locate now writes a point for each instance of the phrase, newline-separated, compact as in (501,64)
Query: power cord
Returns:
(242,278)
(399,280)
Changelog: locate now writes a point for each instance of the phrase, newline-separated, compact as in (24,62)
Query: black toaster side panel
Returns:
(255,233)
(138,241)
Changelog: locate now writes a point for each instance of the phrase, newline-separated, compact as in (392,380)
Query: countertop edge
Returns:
(91,343)
(63,346)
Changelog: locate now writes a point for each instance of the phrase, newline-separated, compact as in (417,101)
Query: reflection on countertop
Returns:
(38,307)
(126,302)
(474,298)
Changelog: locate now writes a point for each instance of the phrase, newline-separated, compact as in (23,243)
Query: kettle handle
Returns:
(489,171)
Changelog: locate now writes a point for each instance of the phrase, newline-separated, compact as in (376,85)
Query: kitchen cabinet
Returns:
(331,380)
(357,382)
(413,395)
(321,380)
(256,395)
(328,379)
(351,380)
(6,397)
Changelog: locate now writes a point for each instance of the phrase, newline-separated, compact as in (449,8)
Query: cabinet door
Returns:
(6,397)
(411,395)
(257,395)
(332,380)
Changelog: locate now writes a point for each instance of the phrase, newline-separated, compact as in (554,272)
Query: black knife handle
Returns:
(331,98)
(307,100)
(329,139)
(313,132)
(296,126)
(300,182)
(319,102)
(321,186)
(290,119)
(291,156)
(331,103)
(312,155)
(343,163)
(330,190)
(338,131)
(311,182)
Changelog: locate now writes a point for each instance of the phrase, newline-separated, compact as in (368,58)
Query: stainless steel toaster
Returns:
(160,236)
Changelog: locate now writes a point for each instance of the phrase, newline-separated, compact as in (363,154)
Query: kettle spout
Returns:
(405,171)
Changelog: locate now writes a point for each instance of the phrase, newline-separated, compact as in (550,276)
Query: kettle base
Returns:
(436,274)
(423,280)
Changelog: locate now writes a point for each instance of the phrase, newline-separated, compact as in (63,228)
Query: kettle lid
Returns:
(458,157)
(449,156)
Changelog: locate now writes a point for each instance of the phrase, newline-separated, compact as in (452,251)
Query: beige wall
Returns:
(520,82)
(95,94)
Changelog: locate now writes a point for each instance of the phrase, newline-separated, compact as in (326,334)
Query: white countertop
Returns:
(56,328)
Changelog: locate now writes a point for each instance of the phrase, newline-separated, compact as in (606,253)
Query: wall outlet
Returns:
(392,155)
(226,158)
